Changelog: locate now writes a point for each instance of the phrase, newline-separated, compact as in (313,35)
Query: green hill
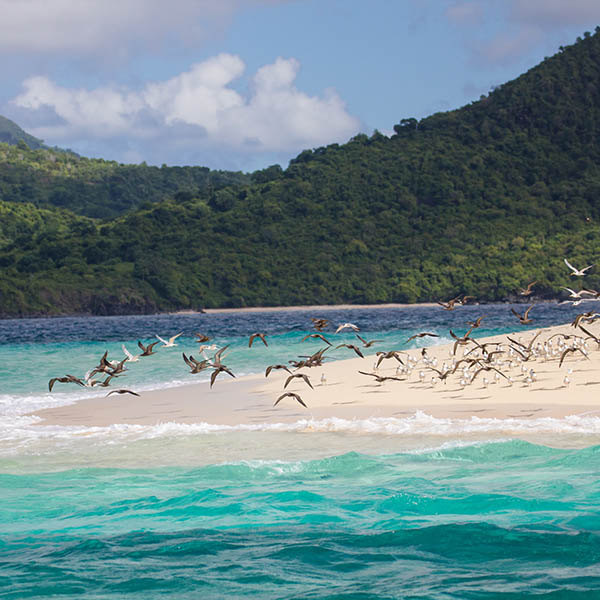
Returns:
(479,200)
(11,133)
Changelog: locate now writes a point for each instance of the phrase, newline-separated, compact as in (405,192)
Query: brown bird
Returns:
(196,366)
(442,375)
(219,369)
(385,355)
(301,376)
(315,336)
(319,324)
(587,317)
(216,361)
(420,335)
(257,335)
(380,378)
(528,290)
(271,367)
(65,379)
(352,347)
(465,299)
(449,305)
(367,344)
(486,368)
(201,338)
(291,395)
(524,318)
(106,382)
(461,341)
(147,350)
(121,392)
(567,351)
(475,324)
(590,335)
(525,347)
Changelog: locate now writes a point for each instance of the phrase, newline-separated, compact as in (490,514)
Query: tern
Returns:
(347,326)
(122,391)
(528,290)
(577,272)
(524,318)
(420,335)
(261,336)
(147,350)
(130,357)
(170,342)
(315,336)
(352,347)
(296,376)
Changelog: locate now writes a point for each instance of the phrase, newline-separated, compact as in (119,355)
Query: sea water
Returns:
(414,507)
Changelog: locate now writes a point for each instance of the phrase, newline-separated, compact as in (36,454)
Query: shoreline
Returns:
(347,394)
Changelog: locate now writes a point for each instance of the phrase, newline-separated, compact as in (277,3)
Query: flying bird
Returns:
(271,367)
(201,338)
(219,369)
(528,290)
(319,324)
(577,272)
(369,343)
(524,318)
(352,347)
(147,350)
(315,336)
(290,395)
(347,326)
(380,378)
(65,379)
(130,357)
(301,376)
(122,391)
(261,336)
(569,350)
(420,335)
(170,342)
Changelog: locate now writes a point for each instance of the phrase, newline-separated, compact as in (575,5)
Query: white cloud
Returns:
(195,107)
(465,13)
(111,27)
(555,13)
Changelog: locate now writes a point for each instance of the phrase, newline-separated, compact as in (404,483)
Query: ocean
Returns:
(415,507)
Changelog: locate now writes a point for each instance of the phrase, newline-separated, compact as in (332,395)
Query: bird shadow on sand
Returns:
(547,389)
(590,383)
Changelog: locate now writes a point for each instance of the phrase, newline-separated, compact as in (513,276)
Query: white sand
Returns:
(348,394)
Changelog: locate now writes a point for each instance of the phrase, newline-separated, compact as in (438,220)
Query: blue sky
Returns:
(242,84)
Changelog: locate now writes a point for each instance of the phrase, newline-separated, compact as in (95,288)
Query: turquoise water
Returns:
(380,508)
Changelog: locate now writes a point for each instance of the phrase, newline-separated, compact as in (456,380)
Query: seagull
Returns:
(347,326)
(524,318)
(352,347)
(577,272)
(528,290)
(261,336)
(121,392)
(577,295)
(420,335)
(298,375)
(147,350)
(291,395)
(130,357)
(171,342)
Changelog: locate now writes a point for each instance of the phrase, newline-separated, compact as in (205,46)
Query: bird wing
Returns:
(142,347)
(570,266)
(562,356)
(251,339)
(161,339)
(573,293)
(514,312)
(127,353)
(527,311)
(173,338)
(305,377)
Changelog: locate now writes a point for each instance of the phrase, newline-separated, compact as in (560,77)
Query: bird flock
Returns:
(510,360)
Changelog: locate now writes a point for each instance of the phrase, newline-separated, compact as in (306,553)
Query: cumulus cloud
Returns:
(111,27)
(196,106)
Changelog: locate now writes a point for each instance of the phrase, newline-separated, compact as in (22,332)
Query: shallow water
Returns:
(375,508)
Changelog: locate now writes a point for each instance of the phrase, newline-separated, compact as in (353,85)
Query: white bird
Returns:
(130,357)
(170,342)
(577,272)
(573,293)
(347,326)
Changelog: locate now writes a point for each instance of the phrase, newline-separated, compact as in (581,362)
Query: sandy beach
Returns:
(341,391)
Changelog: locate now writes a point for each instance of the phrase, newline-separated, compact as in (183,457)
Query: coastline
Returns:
(347,394)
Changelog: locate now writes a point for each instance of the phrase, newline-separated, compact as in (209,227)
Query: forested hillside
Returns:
(480,200)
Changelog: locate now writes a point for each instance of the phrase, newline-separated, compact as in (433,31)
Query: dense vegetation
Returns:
(480,200)
(97,188)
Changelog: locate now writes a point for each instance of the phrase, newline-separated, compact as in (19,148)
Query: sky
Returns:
(244,84)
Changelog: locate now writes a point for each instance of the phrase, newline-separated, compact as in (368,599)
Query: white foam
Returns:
(22,429)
